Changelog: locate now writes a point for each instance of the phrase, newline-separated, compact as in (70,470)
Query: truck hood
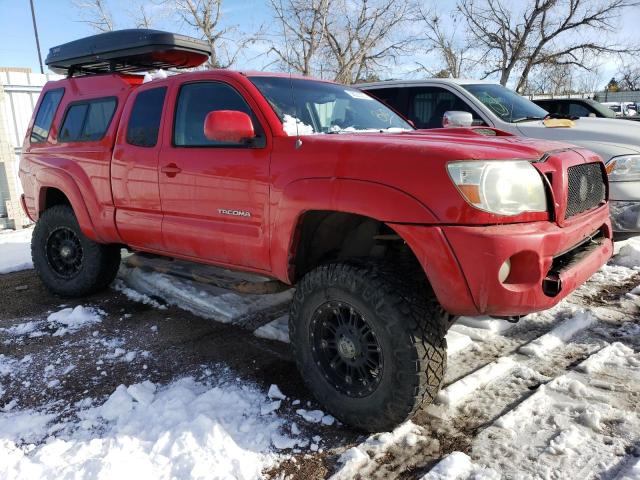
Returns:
(608,137)
(449,144)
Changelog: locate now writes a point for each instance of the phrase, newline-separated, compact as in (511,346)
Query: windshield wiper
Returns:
(529,118)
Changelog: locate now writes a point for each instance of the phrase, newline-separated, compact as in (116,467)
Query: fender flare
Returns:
(59,179)
(370,199)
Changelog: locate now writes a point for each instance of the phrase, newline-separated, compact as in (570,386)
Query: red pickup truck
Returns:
(387,232)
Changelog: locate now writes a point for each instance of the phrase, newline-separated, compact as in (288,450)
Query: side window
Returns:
(146,114)
(428,105)
(195,101)
(389,96)
(87,121)
(44,117)
(578,110)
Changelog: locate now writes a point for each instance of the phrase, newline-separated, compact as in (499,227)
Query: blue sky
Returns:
(59,22)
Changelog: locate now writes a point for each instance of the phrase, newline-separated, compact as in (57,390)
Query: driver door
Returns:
(215,196)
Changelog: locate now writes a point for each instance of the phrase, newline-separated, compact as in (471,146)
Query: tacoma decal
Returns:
(234,213)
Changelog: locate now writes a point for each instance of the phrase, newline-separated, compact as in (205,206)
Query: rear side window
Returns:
(144,122)
(44,117)
(195,101)
(87,121)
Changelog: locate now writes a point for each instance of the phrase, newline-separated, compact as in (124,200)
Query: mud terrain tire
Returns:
(69,263)
(405,326)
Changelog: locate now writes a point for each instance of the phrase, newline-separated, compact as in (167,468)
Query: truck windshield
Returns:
(505,103)
(308,107)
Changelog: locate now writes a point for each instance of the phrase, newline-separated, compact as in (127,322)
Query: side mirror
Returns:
(454,118)
(229,126)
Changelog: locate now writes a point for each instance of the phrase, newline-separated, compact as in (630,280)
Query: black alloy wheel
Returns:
(64,252)
(346,349)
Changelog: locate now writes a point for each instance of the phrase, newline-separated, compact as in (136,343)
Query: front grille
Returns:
(586,188)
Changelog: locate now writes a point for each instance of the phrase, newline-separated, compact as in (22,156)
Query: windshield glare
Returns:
(505,103)
(322,107)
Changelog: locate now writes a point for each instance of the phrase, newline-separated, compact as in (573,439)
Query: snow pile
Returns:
(185,430)
(356,459)
(277,329)
(629,254)
(458,465)
(72,319)
(289,125)
(21,426)
(15,250)
(559,335)
(614,355)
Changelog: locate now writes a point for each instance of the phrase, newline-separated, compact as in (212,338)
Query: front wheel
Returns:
(69,263)
(369,346)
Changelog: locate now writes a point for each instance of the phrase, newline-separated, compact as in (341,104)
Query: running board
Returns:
(239,282)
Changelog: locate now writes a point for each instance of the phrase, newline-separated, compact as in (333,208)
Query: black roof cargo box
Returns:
(131,50)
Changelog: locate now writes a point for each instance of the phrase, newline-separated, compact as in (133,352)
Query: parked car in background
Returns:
(434,103)
(622,109)
(615,107)
(575,107)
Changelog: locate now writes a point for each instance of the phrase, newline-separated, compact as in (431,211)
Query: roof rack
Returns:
(127,51)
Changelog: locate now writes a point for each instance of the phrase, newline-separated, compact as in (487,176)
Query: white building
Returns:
(19,91)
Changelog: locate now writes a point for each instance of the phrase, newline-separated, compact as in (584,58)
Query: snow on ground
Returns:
(629,254)
(204,300)
(15,250)
(356,460)
(277,329)
(183,430)
(559,335)
(553,396)
(458,465)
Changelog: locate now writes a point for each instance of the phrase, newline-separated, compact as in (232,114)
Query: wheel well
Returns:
(53,196)
(325,236)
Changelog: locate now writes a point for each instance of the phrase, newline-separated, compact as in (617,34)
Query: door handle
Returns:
(171,170)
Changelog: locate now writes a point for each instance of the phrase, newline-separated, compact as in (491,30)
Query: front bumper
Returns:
(540,252)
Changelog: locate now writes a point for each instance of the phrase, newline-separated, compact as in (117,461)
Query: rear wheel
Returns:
(69,263)
(368,344)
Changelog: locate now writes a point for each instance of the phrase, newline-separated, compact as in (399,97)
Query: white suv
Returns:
(425,102)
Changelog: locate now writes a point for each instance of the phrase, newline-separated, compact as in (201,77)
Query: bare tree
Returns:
(143,18)
(454,52)
(96,14)
(629,76)
(544,32)
(366,36)
(302,26)
(205,16)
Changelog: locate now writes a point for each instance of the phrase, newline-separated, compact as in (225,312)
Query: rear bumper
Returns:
(468,282)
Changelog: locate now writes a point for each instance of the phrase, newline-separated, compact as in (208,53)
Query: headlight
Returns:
(503,187)
(624,169)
